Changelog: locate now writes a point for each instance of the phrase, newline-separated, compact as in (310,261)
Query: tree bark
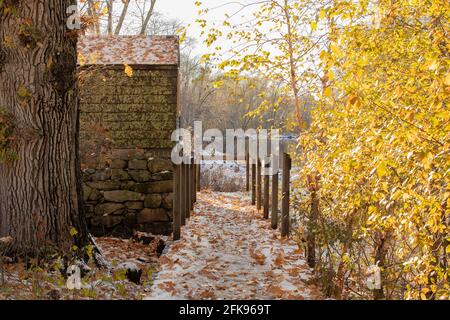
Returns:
(40,192)
(122,17)
(110,6)
(313,186)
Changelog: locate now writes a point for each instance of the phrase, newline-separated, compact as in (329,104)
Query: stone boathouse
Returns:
(129,106)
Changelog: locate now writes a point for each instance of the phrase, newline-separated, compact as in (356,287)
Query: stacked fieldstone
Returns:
(126,124)
(133,193)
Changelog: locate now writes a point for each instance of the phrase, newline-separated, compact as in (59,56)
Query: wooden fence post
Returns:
(247,170)
(253,184)
(266,195)
(176,204)
(191,188)
(182,194)
(274,212)
(258,185)
(186,191)
(192,184)
(286,194)
(198,172)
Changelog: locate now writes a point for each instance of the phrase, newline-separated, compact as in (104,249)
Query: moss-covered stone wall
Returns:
(125,142)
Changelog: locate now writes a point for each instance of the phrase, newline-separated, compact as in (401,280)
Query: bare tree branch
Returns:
(147,18)
(109,5)
(122,17)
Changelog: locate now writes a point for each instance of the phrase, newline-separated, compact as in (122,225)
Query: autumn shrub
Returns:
(379,147)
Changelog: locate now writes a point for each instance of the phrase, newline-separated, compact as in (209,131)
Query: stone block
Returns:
(134,205)
(119,175)
(107,185)
(122,196)
(95,195)
(140,175)
(159,165)
(108,208)
(86,192)
(167,201)
(118,164)
(137,164)
(127,185)
(153,201)
(101,175)
(161,176)
(154,187)
(152,215)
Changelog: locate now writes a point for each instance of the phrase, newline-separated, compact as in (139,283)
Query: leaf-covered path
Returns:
(228,251)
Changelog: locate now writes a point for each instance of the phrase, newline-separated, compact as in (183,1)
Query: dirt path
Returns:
(228,252)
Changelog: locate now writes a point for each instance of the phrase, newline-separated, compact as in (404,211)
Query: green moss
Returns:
(6,129)
(29,35)
(138,112)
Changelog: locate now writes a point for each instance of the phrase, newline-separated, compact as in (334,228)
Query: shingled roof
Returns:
(149,50)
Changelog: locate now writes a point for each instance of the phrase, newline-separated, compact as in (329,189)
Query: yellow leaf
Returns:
(81,59)
(447,79)
(335,49)
(327,92)
(73,232)
(128,70)
(314,26)
(22,92)
(381,170)
(427,159)
(330,75)
(322,13)
(433,65)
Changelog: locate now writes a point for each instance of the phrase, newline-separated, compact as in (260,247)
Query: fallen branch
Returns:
(99,258)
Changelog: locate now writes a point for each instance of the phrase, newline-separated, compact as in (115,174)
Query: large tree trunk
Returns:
(40,191)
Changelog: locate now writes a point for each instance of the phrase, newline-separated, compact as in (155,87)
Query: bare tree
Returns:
(126,4)
(110,6)
(148,16)
(137,15)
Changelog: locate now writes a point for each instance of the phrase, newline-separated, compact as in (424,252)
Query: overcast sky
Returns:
(181,9)
(186,11)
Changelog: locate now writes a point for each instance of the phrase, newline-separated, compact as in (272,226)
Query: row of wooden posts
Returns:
(186,186)
(259,185)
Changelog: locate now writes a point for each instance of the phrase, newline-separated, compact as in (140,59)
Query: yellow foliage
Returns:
(380,133)
(382,146)
(128,70)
